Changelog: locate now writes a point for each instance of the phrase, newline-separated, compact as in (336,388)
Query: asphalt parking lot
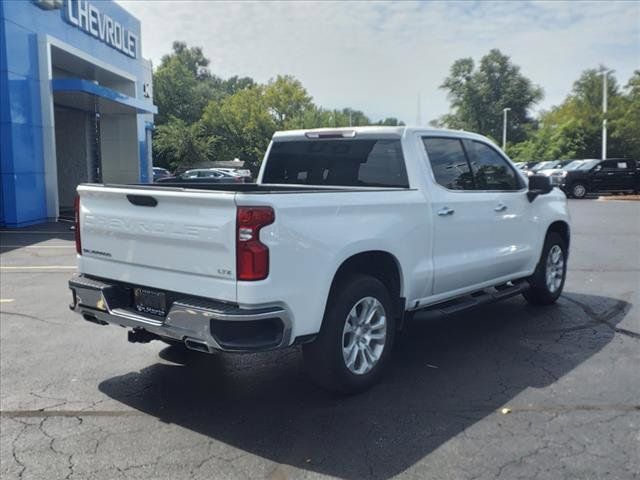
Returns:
(79,402)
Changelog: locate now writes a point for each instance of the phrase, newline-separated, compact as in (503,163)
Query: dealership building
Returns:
(76,104)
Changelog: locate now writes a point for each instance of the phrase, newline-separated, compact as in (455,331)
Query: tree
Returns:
(234,84)
(478,96)
(390,121)
(625,121)
(177,144)
(287,101)
(573,128)
(182,84)
(240,126)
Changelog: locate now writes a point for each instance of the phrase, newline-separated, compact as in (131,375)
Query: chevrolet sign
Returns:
(87,17)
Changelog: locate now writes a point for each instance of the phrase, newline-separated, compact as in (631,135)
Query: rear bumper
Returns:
(203,324)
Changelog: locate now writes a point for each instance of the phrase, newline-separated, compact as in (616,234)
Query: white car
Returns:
(346,233)
(241,172)
(548,167)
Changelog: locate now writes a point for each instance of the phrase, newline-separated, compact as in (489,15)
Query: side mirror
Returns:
(597,168)
(538,185)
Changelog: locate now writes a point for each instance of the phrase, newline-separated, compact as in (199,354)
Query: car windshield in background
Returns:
(541,166)
(575,165)
(354,163)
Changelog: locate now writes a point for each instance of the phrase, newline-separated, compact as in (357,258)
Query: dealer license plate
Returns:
(150,301)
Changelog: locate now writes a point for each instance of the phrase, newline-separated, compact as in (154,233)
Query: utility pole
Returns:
(504,128)
(604,111)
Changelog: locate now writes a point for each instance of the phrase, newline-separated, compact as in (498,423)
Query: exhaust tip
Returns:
(92,318)
(196,345)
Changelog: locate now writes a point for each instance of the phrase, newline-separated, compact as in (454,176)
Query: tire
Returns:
(546,285)
(578,190)
(352,361)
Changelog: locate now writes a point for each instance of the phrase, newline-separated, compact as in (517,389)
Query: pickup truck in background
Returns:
(346,233)
(614,175)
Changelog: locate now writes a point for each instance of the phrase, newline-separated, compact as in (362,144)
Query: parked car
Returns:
(547,167)
(602,176)
(525,166)
(240,172)
(204,175)
(346,233)
(557,175)
(159,173)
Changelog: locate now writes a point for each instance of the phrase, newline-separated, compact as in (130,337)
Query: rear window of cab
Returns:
(344,162)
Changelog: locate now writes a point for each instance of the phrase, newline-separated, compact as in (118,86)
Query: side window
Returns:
(609,165)
(622,165)
(449,163)
(490,170)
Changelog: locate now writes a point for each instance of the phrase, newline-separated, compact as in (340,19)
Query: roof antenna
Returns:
(419,113)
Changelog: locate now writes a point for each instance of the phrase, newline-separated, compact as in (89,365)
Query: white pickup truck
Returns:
(345,234)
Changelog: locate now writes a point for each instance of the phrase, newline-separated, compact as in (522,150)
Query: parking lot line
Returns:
(39,267)
(6,300)
(38,232)
(69,413)
(37,246)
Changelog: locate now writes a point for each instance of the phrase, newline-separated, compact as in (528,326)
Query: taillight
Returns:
(76,210)
(252,256)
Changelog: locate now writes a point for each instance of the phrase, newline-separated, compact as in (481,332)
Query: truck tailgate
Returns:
(175,240)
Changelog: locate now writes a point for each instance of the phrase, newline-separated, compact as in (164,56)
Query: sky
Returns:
(379,56)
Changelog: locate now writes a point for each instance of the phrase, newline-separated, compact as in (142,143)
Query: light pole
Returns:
(604,72)
(504,127)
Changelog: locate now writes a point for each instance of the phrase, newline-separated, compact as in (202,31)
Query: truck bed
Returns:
(244,187)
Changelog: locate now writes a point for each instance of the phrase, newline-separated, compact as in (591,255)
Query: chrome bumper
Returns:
(197,322)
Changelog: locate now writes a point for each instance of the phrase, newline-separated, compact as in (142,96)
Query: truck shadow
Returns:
(446,375)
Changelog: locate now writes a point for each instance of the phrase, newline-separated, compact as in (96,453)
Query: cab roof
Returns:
(368,132)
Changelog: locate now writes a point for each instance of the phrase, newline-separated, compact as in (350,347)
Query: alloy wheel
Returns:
(555,268)
(364,335)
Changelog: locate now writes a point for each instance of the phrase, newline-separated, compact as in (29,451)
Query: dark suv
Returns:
(602,176)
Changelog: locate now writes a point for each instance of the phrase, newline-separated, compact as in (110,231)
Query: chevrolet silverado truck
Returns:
(346,233)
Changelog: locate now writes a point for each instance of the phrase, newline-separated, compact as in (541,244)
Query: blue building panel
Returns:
(21,100)
(27,199)
(101,30)
(21,148)
(21,49)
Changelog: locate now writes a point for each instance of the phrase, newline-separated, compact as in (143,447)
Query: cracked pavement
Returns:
(79,402)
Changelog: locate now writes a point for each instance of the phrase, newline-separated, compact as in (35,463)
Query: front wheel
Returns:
(356,337)
(547,281)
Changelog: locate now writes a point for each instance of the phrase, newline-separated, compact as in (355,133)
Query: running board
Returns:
(475,299)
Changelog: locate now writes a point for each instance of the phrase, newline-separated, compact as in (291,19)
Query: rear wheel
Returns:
(578,190)
(356,337)
(547,281)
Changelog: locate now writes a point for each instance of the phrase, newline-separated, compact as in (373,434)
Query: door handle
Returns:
(445,211)
(501,207)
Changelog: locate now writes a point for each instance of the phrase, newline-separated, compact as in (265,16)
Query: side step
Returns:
(482,297)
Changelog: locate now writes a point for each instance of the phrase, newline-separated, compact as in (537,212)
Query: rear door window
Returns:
(356,163)
(449,163)
(608,165)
